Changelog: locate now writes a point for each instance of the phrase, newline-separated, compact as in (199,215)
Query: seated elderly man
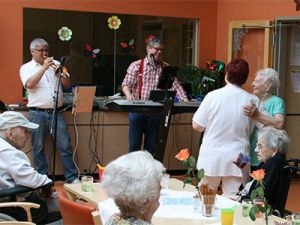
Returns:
(271,149)
(15,168)
(133,181)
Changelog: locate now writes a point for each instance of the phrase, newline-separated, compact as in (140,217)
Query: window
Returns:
(177,34)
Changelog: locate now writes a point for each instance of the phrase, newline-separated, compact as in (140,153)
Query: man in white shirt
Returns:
(15,168)
(39,78)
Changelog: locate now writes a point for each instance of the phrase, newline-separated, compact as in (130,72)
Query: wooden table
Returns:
(98,194)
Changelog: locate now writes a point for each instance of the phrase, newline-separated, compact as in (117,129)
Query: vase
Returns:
(197,203)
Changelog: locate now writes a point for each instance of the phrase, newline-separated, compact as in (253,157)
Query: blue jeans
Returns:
(140,124)
(63,143)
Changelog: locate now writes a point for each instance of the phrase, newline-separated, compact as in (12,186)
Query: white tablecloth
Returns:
(173,204)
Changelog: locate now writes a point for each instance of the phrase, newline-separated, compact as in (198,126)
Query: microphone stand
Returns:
(54,119)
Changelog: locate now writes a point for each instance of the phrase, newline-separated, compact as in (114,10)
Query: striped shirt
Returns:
(150,79)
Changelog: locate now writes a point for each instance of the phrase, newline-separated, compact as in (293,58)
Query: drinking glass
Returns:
(227,215)
(208,204)
(260,202)
(87,183)
(246,207)
(296,218)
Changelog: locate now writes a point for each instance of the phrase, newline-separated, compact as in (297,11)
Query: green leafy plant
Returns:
(193,176)
(203,80)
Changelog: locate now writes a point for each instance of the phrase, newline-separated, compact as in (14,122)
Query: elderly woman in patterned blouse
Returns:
(133,181)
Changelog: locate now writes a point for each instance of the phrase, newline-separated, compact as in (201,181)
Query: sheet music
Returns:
(295,47)
(295,81)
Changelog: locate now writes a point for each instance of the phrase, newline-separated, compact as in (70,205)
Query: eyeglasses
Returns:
(158,49)
(42,50)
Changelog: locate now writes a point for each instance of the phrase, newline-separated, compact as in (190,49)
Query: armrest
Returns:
(16,223)
(96,218)
(25,205)
(20,189)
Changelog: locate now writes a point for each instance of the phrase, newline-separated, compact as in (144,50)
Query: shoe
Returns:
(54,195)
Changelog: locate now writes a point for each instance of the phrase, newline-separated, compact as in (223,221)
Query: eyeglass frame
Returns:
(42,50)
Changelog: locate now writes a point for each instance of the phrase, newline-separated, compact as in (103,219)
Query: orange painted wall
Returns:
(214,17)
(11,25)
(230,10)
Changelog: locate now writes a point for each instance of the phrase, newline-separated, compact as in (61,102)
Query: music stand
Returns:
(167,77)
(165,82)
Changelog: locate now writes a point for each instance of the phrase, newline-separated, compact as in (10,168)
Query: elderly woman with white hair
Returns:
(272,146)
(265,86)
(133,181)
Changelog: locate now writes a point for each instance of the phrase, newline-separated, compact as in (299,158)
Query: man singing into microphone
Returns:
(142,77)
(39,78)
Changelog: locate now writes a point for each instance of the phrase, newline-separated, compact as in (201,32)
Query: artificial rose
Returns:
(258,174)
(183,154)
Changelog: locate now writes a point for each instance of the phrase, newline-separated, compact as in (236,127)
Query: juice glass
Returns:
(227,215)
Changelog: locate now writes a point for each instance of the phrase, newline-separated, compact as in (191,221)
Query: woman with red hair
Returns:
(226,129)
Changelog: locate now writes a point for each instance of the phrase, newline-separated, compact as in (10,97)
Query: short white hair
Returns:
(271,76)
(132,179)
(38,42)
(274,139)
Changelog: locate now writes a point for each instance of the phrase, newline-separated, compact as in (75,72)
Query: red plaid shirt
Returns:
(150,80)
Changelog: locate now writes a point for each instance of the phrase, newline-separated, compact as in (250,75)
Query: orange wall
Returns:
(11,24)
(229,10)
(214,17)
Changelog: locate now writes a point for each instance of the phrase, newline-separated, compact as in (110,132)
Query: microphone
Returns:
(152,60)
(62,61)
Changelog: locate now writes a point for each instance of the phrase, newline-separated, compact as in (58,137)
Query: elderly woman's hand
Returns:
(250,110)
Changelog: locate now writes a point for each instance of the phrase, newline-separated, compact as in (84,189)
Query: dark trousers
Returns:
(139,124)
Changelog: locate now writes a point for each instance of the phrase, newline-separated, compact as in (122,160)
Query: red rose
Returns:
(183,154)
(258,174)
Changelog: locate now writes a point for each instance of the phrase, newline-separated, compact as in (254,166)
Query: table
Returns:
(98,194)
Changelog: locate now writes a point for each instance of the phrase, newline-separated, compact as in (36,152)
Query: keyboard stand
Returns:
(163,130)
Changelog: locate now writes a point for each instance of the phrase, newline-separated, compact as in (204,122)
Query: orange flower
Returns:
(183,154)
(258,174)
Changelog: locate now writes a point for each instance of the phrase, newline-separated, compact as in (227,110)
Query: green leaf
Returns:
(191,161)
(269,210)
(262,209)
(253,194)
(189,171)
(260,191)
(200,174)
(252,214)
(188,180)
(185,163)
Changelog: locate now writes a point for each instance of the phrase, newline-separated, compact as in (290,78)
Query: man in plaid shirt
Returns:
(142,77)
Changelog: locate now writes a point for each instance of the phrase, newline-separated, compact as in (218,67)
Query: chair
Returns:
(287,174)
(7,220)
(75,213)
(296,163)
(12,193)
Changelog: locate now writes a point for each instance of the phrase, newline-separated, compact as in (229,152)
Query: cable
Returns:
(76,145)
(94,136)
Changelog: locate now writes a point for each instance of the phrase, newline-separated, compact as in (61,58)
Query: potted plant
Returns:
(202,80)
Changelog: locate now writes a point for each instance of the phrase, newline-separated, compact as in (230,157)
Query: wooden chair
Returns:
(12,193)
(74,212)
(26,206)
